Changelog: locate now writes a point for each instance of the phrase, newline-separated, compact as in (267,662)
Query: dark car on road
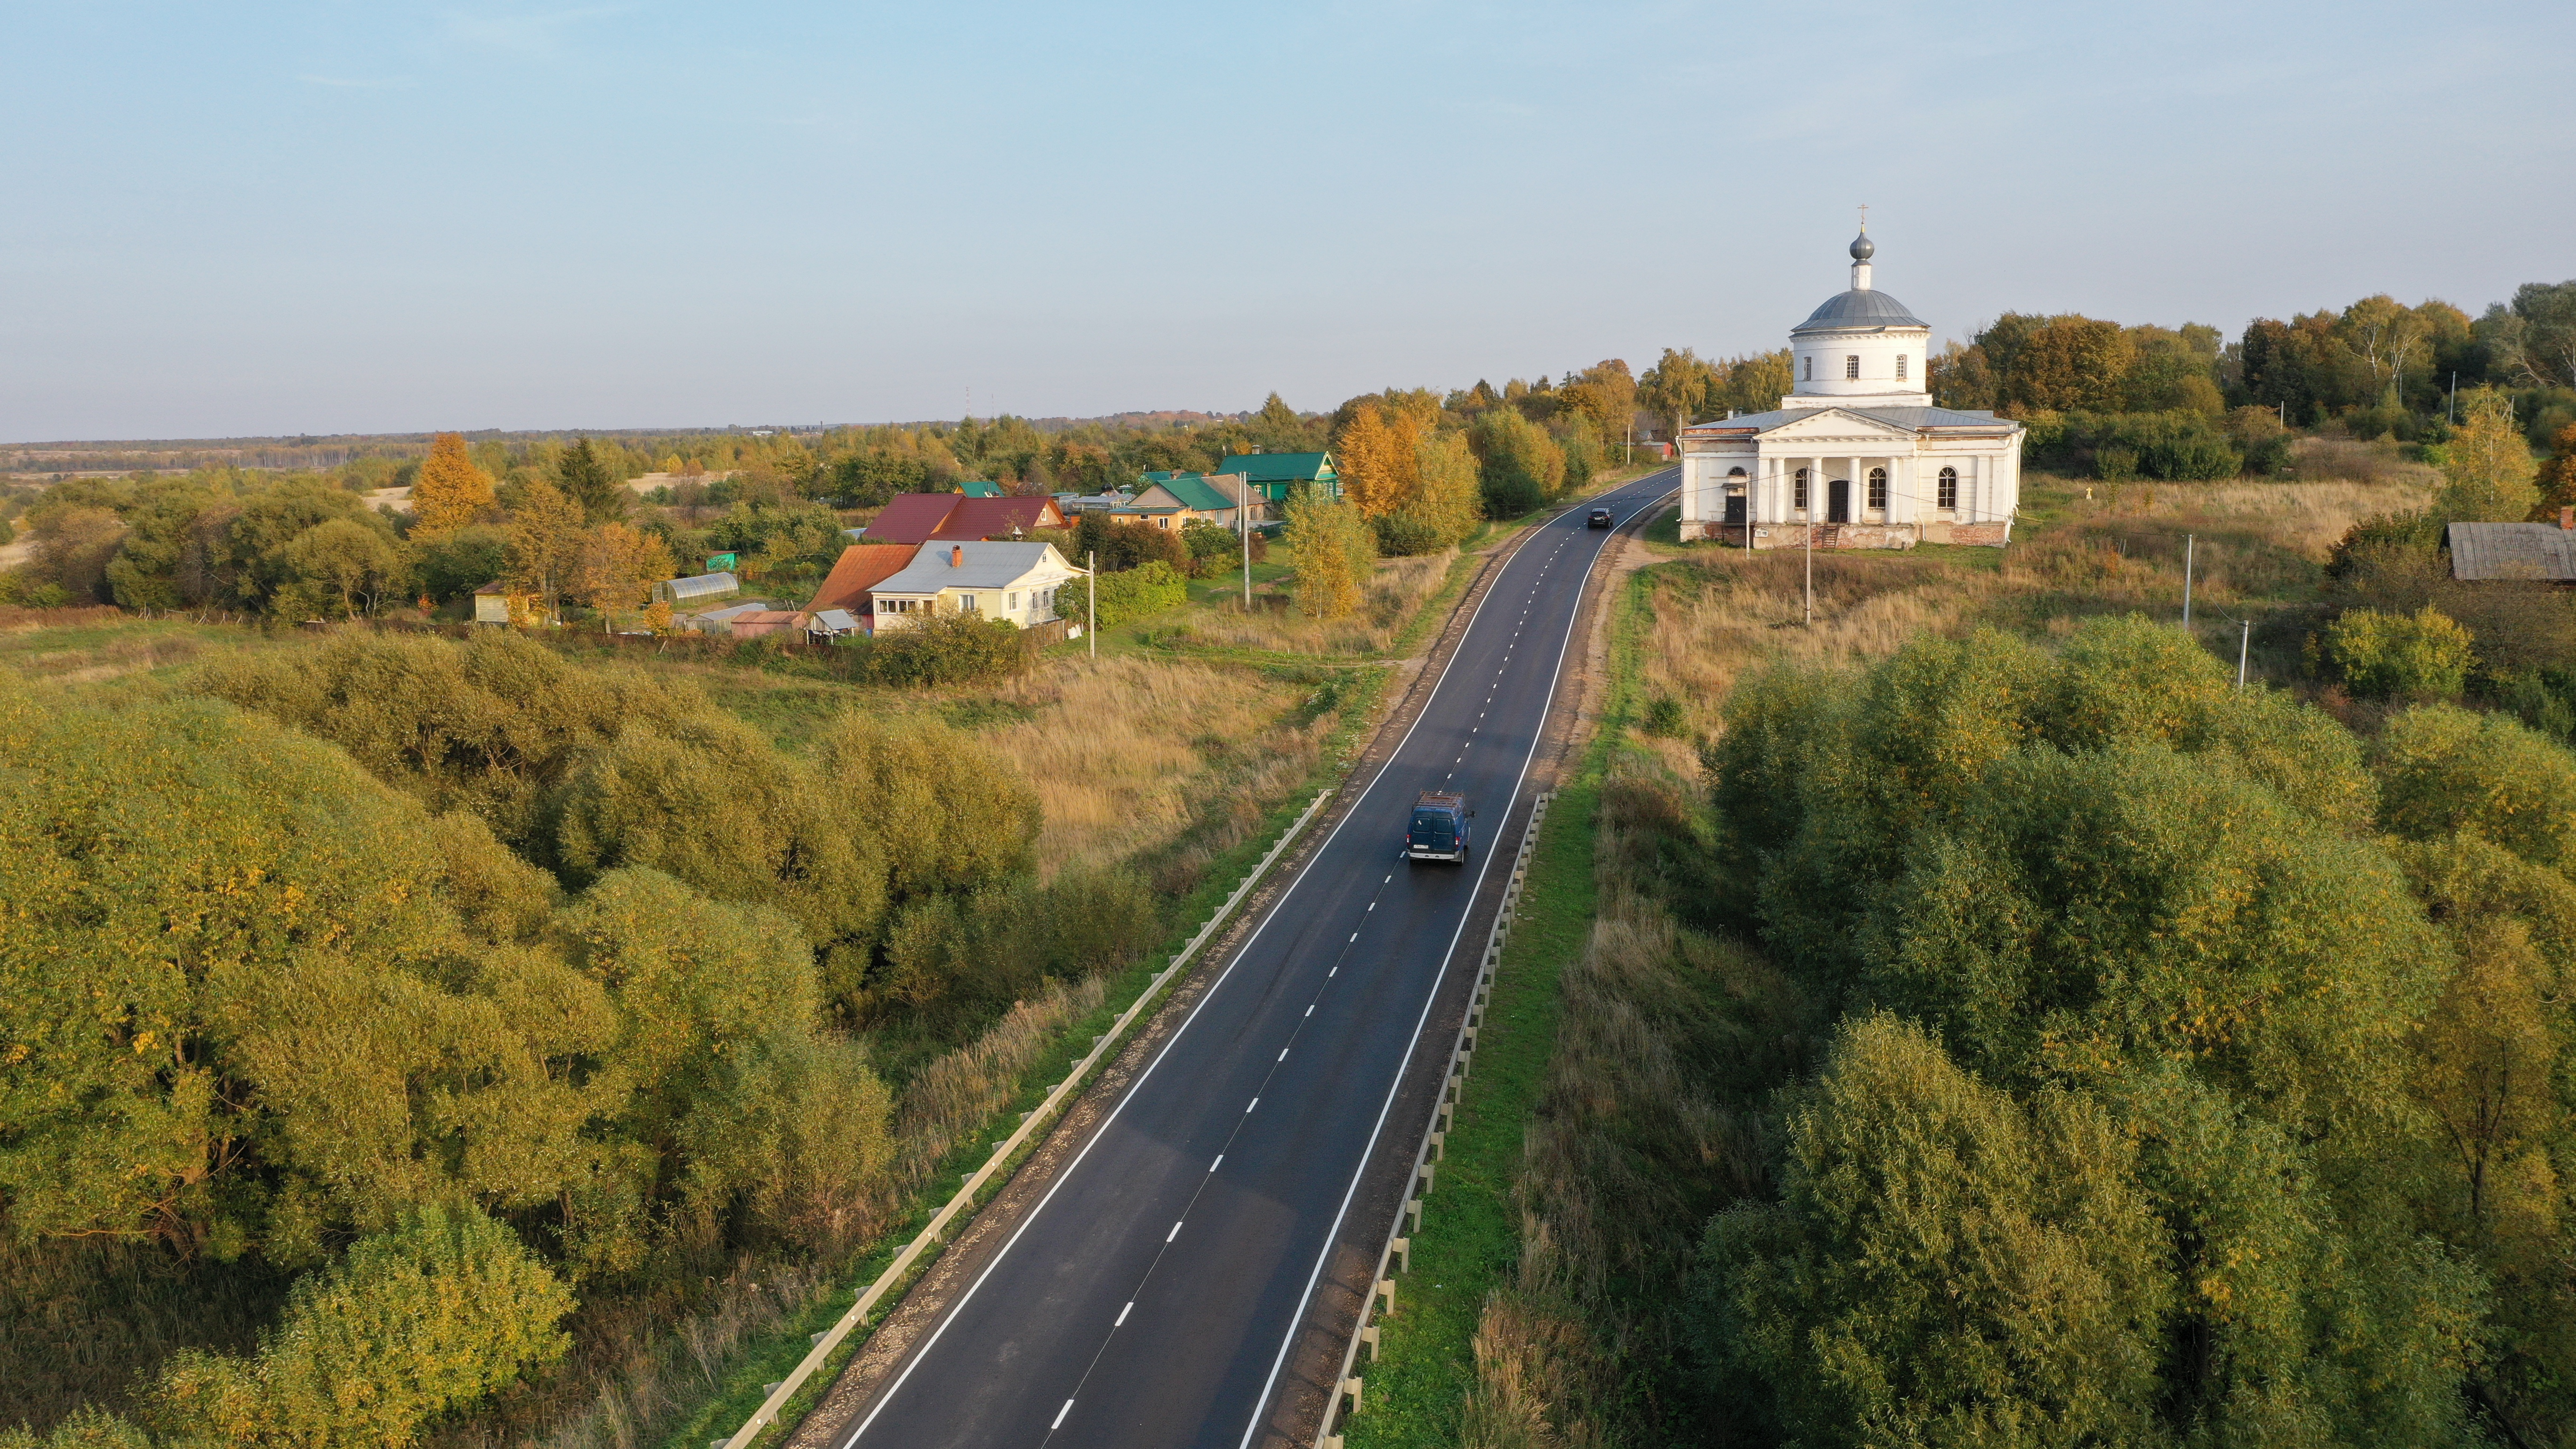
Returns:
(1600,519)
(1438,830)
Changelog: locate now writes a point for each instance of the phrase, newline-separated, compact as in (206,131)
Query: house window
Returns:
(1851,366)
(1800,497)
(1878,489)
(965,603)
(1900,367)
(1811,370)
(1949,488)
(1013,604)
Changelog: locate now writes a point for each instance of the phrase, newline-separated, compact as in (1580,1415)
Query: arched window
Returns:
(1950,489)
(1878,489)
(1851,366)
(1900,367)
(1811,368)
(1799,497)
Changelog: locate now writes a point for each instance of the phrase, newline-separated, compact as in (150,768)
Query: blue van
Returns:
(1439,827)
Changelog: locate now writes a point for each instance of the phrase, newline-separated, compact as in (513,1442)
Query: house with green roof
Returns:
(981,488)
(1274,474)
(1183,498)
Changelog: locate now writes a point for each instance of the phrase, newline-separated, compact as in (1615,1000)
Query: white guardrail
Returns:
(1398,1252)
(1102,1047)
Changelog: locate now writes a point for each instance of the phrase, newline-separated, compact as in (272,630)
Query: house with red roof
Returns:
(850,586)
(918,518)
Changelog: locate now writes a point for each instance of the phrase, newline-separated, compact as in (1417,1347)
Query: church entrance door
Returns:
(1734,509)
(1839,510)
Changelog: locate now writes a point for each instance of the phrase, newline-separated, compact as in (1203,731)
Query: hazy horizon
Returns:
(309,219)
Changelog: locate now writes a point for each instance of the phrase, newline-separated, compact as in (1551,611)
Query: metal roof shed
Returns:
(2514,551)
(696,588)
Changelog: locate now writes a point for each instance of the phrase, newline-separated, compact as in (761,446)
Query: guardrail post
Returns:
(1385,1292)
(1369,1337)
(1400,1253)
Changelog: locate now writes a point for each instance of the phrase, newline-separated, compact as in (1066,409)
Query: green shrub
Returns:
(1147,589)
(1401,535)
(409,1324)
(2418,657)
(948,649)
(2443,769)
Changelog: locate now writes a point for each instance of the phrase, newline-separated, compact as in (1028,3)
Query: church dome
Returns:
(1862,248)
(1861,308)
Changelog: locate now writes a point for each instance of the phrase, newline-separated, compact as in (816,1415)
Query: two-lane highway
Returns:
(1151,1297)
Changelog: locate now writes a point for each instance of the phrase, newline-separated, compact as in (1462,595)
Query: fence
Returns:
(1398,1250)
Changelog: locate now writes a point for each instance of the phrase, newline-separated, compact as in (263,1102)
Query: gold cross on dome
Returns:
(1864,216)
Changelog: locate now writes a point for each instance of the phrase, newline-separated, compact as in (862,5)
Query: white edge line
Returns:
(1261,1405)
(1240,952)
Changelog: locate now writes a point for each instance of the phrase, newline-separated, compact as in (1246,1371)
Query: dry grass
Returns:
(959,1092)
(1717,614)
(2305,516)
(1127,753)
(1398,588)
(1648,1122)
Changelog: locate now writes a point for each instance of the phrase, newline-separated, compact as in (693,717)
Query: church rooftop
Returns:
(1859,309)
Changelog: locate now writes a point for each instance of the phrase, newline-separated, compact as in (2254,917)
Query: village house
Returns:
(850,588)
(1856,456)
(1176,500)
(1017,582)
(924,517)
(498,603)
(2487,551)
(1274,475)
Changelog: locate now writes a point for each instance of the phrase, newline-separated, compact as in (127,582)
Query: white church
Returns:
(1856,454)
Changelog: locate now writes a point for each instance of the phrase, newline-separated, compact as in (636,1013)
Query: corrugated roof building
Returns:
(2488,551)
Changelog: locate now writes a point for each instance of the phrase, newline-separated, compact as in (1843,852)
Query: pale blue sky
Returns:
(249,219)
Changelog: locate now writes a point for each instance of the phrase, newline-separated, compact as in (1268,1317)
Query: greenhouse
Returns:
(695,589)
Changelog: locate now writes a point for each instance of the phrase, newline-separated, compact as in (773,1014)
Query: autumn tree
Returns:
(614,568)
(1376,460)
(1606,395)
(1329,541)
(344,568)
(1679,386)
(1520,466)
(545,531)
(1447,496)
(451,491)
(2486,464)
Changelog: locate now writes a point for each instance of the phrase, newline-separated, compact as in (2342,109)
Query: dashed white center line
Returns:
(1283,1054)
(1059,1416)
(1167,1237)
(1257,1101)
(1310,1011)
(1372,906)
(1355,935)
(1122,1320)
(1220,1161)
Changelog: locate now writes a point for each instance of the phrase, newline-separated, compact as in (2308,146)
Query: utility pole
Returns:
(1243,525)
(2244,641)
(1811,571)
(2188,540)
(2451,409)
(1091,585)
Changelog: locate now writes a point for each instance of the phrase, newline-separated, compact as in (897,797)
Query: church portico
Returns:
(1853,453)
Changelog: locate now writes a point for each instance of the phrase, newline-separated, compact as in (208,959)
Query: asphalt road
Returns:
(1150,1298)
